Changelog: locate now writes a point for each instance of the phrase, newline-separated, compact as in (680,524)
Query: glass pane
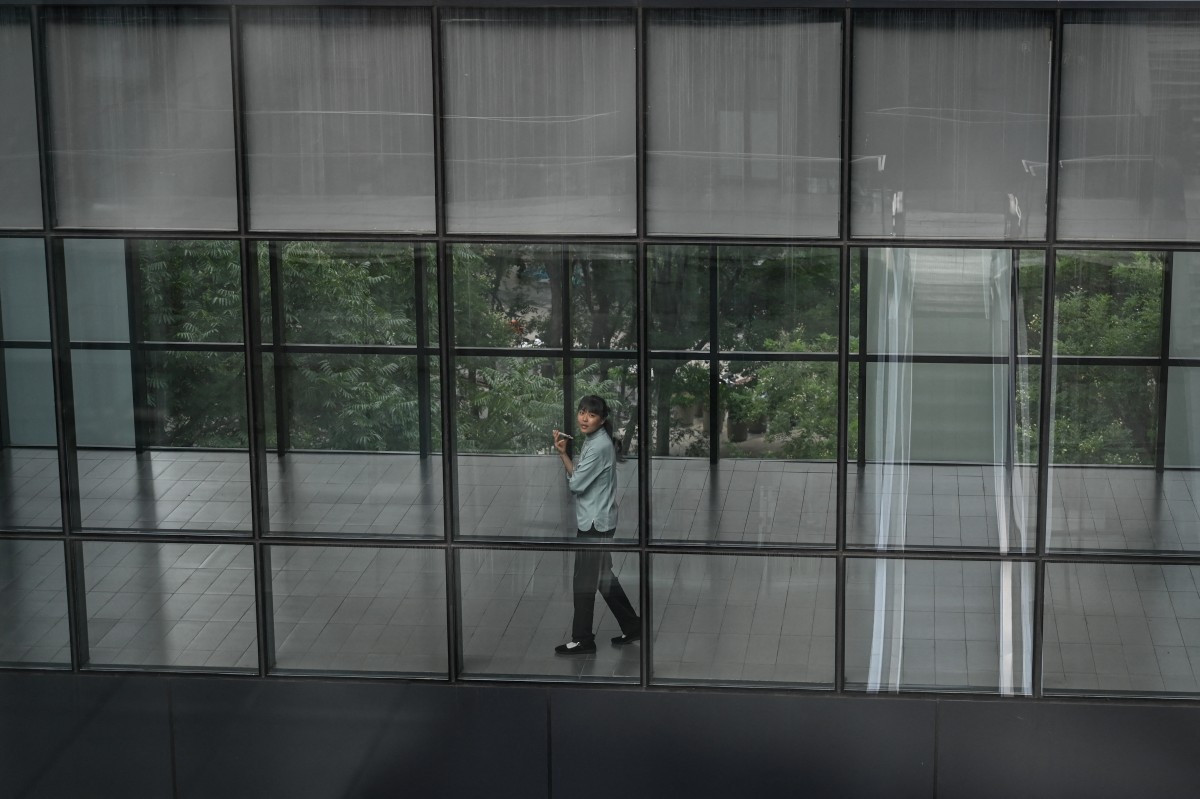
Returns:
(97,299)
(1128,161)
(354,454)
(540,119)
(508,295)
(952,302)
(1105,415)
(190,290)
(927,625)
(615,380)
(339,122)
(103,387)
(24,311)
(177,606)
(603,297)
(1121,629)
(743,126)
(1183,418)
(781,299)
(1185,296)
(978,493)
(778,409)
(509,482)
(29,485)
(29,384)
(1108,303)
(361,609)
(679,297)
(33,604)
(141,111)
(743,620)
(1031,290)
(680,420)
(518,605)
(196,399)
(950,124)
(349,292)
(20,180)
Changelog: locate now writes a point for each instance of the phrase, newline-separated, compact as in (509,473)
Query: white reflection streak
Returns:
(893,421)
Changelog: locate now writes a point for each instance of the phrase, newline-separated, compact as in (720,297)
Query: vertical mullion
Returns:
(843,399)
(279,363)
(642,335)
(566,340)
(1164,370)
(137,354)
(252,348)
(446,366)
(1045,411)
(424,392)
(714,362)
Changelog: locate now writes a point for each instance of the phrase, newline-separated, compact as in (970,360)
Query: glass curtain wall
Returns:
(293,299)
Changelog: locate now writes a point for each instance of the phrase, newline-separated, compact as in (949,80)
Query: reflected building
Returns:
(894,308)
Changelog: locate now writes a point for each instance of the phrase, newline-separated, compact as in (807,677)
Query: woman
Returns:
(593,481)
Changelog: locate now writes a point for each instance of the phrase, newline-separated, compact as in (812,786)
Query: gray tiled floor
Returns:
(744,500)
(939,625)
(29,496)
(743,619)
(1123,628)
(176,605)
(1126,508)
(360,609)
(950,506)
(517,606)
(33,603)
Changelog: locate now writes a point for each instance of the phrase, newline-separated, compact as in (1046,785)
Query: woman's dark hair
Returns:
(596,404)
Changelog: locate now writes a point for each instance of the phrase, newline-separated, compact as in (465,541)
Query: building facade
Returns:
(894,307)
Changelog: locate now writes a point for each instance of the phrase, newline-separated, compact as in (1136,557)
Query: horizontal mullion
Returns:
(161,346)
(742,355)
(1107,360)
(25,344)
(350,349)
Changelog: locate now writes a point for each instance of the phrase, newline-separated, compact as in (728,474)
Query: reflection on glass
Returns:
(141,106)
(951,119)
(517,606)
(1185,295)
(946,445)
(177,606)
(742,134)
(946,302)
(603,287)
(1119,628)
(349,292)
(540,119)
(679,297)
(1108,303)
(29,391)
(33,604)
(516,296)
(777,299)
(190,290)
(339,122)
(743,619)
(20,183)
(1128,159)
(1105,414)
(939,626)
(361,609)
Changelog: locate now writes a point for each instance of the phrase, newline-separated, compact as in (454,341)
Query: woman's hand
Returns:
(560,443)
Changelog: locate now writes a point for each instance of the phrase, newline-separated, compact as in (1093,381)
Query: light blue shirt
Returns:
(594,483)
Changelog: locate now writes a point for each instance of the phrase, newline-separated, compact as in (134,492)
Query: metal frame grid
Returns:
(851,250)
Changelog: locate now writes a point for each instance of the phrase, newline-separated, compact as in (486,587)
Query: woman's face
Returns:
(589,422)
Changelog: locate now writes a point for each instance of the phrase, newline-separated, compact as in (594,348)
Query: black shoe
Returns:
(576,648)
(623,639)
